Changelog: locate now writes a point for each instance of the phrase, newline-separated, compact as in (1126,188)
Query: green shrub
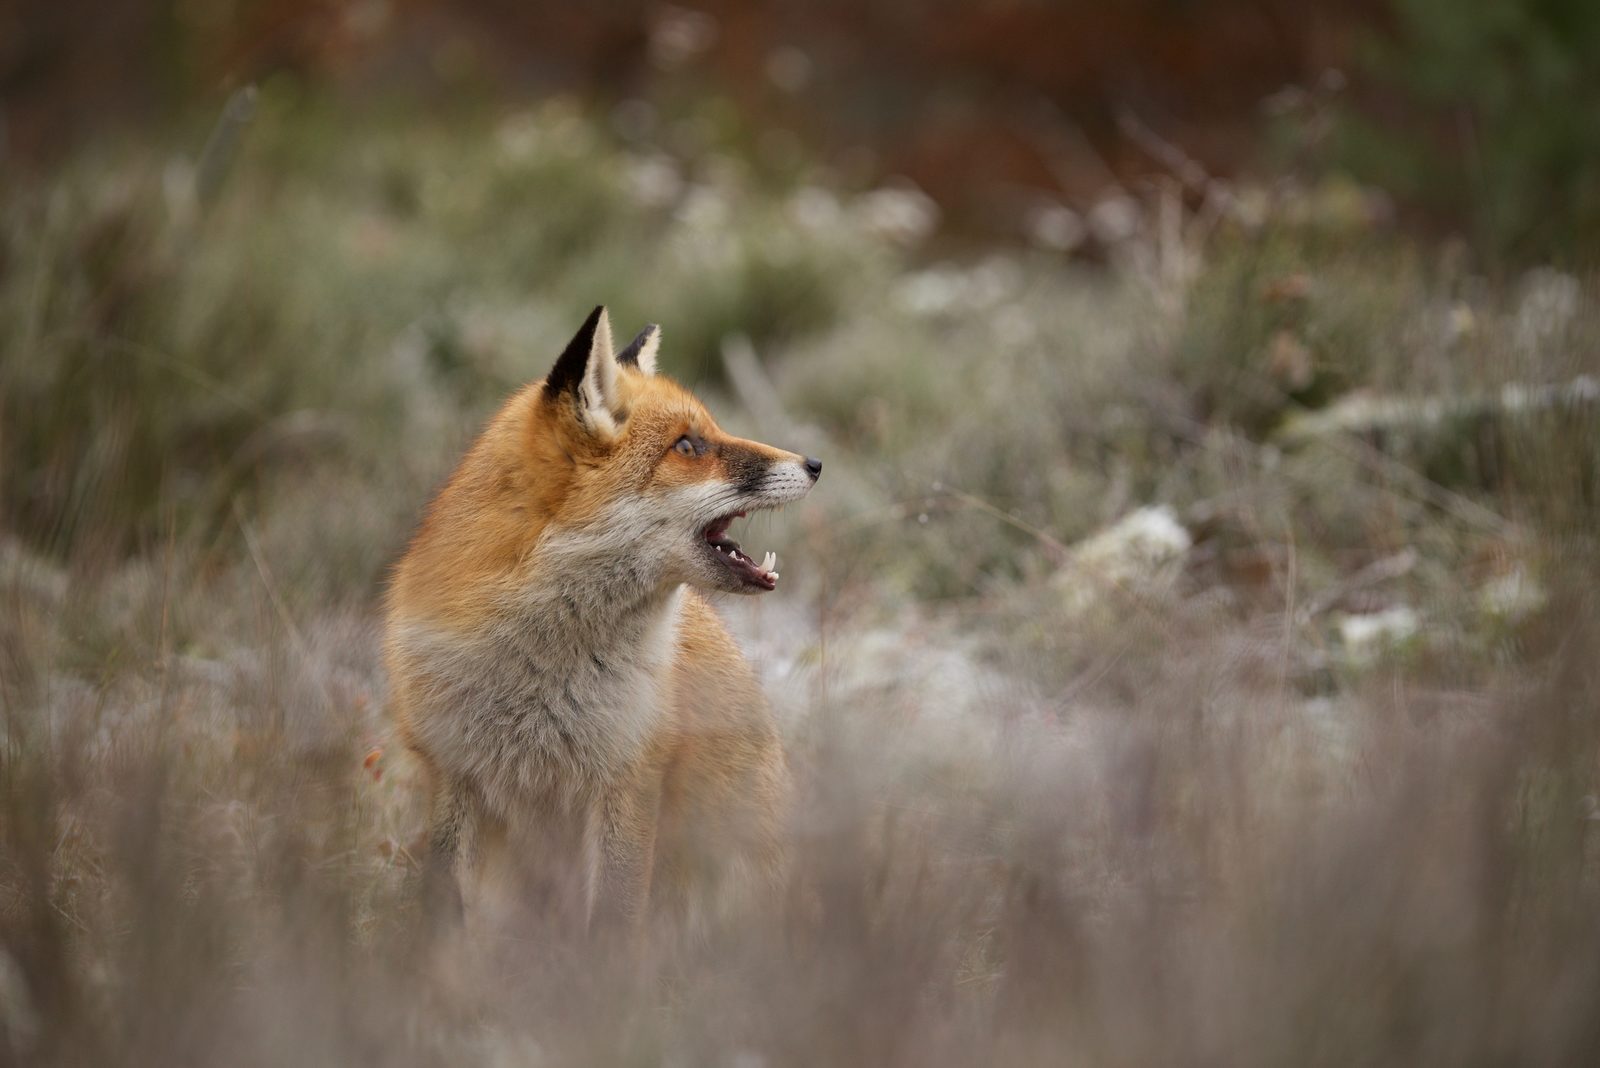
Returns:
(1498,124)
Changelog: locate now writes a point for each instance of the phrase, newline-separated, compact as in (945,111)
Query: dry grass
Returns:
(1314,785)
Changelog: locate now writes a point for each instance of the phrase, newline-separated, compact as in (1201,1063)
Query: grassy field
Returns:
(1187,660)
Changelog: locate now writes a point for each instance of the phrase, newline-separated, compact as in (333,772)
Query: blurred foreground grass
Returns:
(1186,661)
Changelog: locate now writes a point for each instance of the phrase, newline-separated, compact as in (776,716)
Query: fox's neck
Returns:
(598,614)
(592,593)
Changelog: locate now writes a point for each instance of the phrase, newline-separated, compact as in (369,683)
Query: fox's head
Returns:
(643,472)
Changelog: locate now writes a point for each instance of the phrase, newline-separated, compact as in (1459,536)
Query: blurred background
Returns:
(1474,122)
(1187,659)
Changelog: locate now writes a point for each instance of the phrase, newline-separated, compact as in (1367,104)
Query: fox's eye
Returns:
(684,447)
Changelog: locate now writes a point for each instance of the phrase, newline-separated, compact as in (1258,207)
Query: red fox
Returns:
(584,719)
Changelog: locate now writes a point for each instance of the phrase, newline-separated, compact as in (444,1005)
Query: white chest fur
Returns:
(548,704)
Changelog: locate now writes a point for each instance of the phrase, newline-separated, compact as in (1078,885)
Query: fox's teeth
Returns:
(769,561)
(773,575)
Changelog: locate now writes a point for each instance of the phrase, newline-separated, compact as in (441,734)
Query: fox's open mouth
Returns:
(761,576)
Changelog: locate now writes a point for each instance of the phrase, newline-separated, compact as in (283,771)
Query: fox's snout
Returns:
(757,469)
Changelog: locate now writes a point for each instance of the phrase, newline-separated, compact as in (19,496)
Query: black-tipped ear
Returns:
(641,351)
(567,374)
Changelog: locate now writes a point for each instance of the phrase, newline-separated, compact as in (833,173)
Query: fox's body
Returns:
(587,723)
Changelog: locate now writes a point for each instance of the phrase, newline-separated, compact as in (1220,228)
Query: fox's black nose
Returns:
(813,467)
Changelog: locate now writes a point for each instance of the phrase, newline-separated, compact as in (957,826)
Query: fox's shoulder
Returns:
(703,636)
(709,669)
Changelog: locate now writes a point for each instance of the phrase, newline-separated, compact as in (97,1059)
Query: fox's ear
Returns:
(587,371)
(641,351)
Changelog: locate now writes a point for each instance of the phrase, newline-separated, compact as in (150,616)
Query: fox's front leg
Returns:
(452,848)
(627,824)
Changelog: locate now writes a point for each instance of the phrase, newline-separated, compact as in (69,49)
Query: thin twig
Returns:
(1374,574)
(259,559)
